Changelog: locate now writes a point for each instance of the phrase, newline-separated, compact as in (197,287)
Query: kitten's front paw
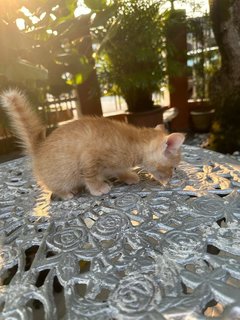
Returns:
(129,178)
(164,182)
(100,190)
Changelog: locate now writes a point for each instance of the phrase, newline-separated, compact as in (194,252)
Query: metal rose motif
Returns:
(24,314)
(128,200)
(209,205)
(68,239)
(141,252)
(110,226)
(182,246)
(137,294)
(228,239)
(88,309)
(8,256)
(232,204)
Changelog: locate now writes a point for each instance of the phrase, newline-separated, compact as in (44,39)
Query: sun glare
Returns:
(81,9)
(20,23)
(193,7)
(28,13)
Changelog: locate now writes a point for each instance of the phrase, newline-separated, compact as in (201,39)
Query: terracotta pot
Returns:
(149,118)
(202,119)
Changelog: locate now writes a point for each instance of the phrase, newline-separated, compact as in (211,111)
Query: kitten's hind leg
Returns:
(129,177)
(62,196)
(97,186)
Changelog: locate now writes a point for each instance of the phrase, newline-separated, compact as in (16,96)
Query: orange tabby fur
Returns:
(88,151)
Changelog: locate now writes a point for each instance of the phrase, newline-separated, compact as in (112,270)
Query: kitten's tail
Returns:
(23,119)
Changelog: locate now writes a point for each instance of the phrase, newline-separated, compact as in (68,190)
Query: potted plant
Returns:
(131,60)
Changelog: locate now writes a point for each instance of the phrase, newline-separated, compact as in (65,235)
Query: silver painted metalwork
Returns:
(141,252)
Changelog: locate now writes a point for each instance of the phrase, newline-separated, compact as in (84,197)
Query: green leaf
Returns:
(78,78)
(63,25)
(111,33)
(96,5)
(39,6)
(71,5)
(77,29)
(102,17)
(66,10)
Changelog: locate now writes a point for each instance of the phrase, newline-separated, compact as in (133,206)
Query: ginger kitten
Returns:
(89,151)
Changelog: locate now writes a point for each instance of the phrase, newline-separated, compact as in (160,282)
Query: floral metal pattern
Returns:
(141,252)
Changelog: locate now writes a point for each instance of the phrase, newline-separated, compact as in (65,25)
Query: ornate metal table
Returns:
(141,252)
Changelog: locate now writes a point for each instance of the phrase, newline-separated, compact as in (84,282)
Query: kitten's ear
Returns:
(160,127)
(174,142)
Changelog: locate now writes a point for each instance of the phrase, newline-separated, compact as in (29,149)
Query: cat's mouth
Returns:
(161,177)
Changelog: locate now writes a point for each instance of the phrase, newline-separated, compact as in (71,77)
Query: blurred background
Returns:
(142,61)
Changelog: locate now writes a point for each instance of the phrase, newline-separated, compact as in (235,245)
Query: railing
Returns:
(58,110)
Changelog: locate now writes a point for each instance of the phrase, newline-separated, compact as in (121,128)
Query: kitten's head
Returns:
(164,155)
